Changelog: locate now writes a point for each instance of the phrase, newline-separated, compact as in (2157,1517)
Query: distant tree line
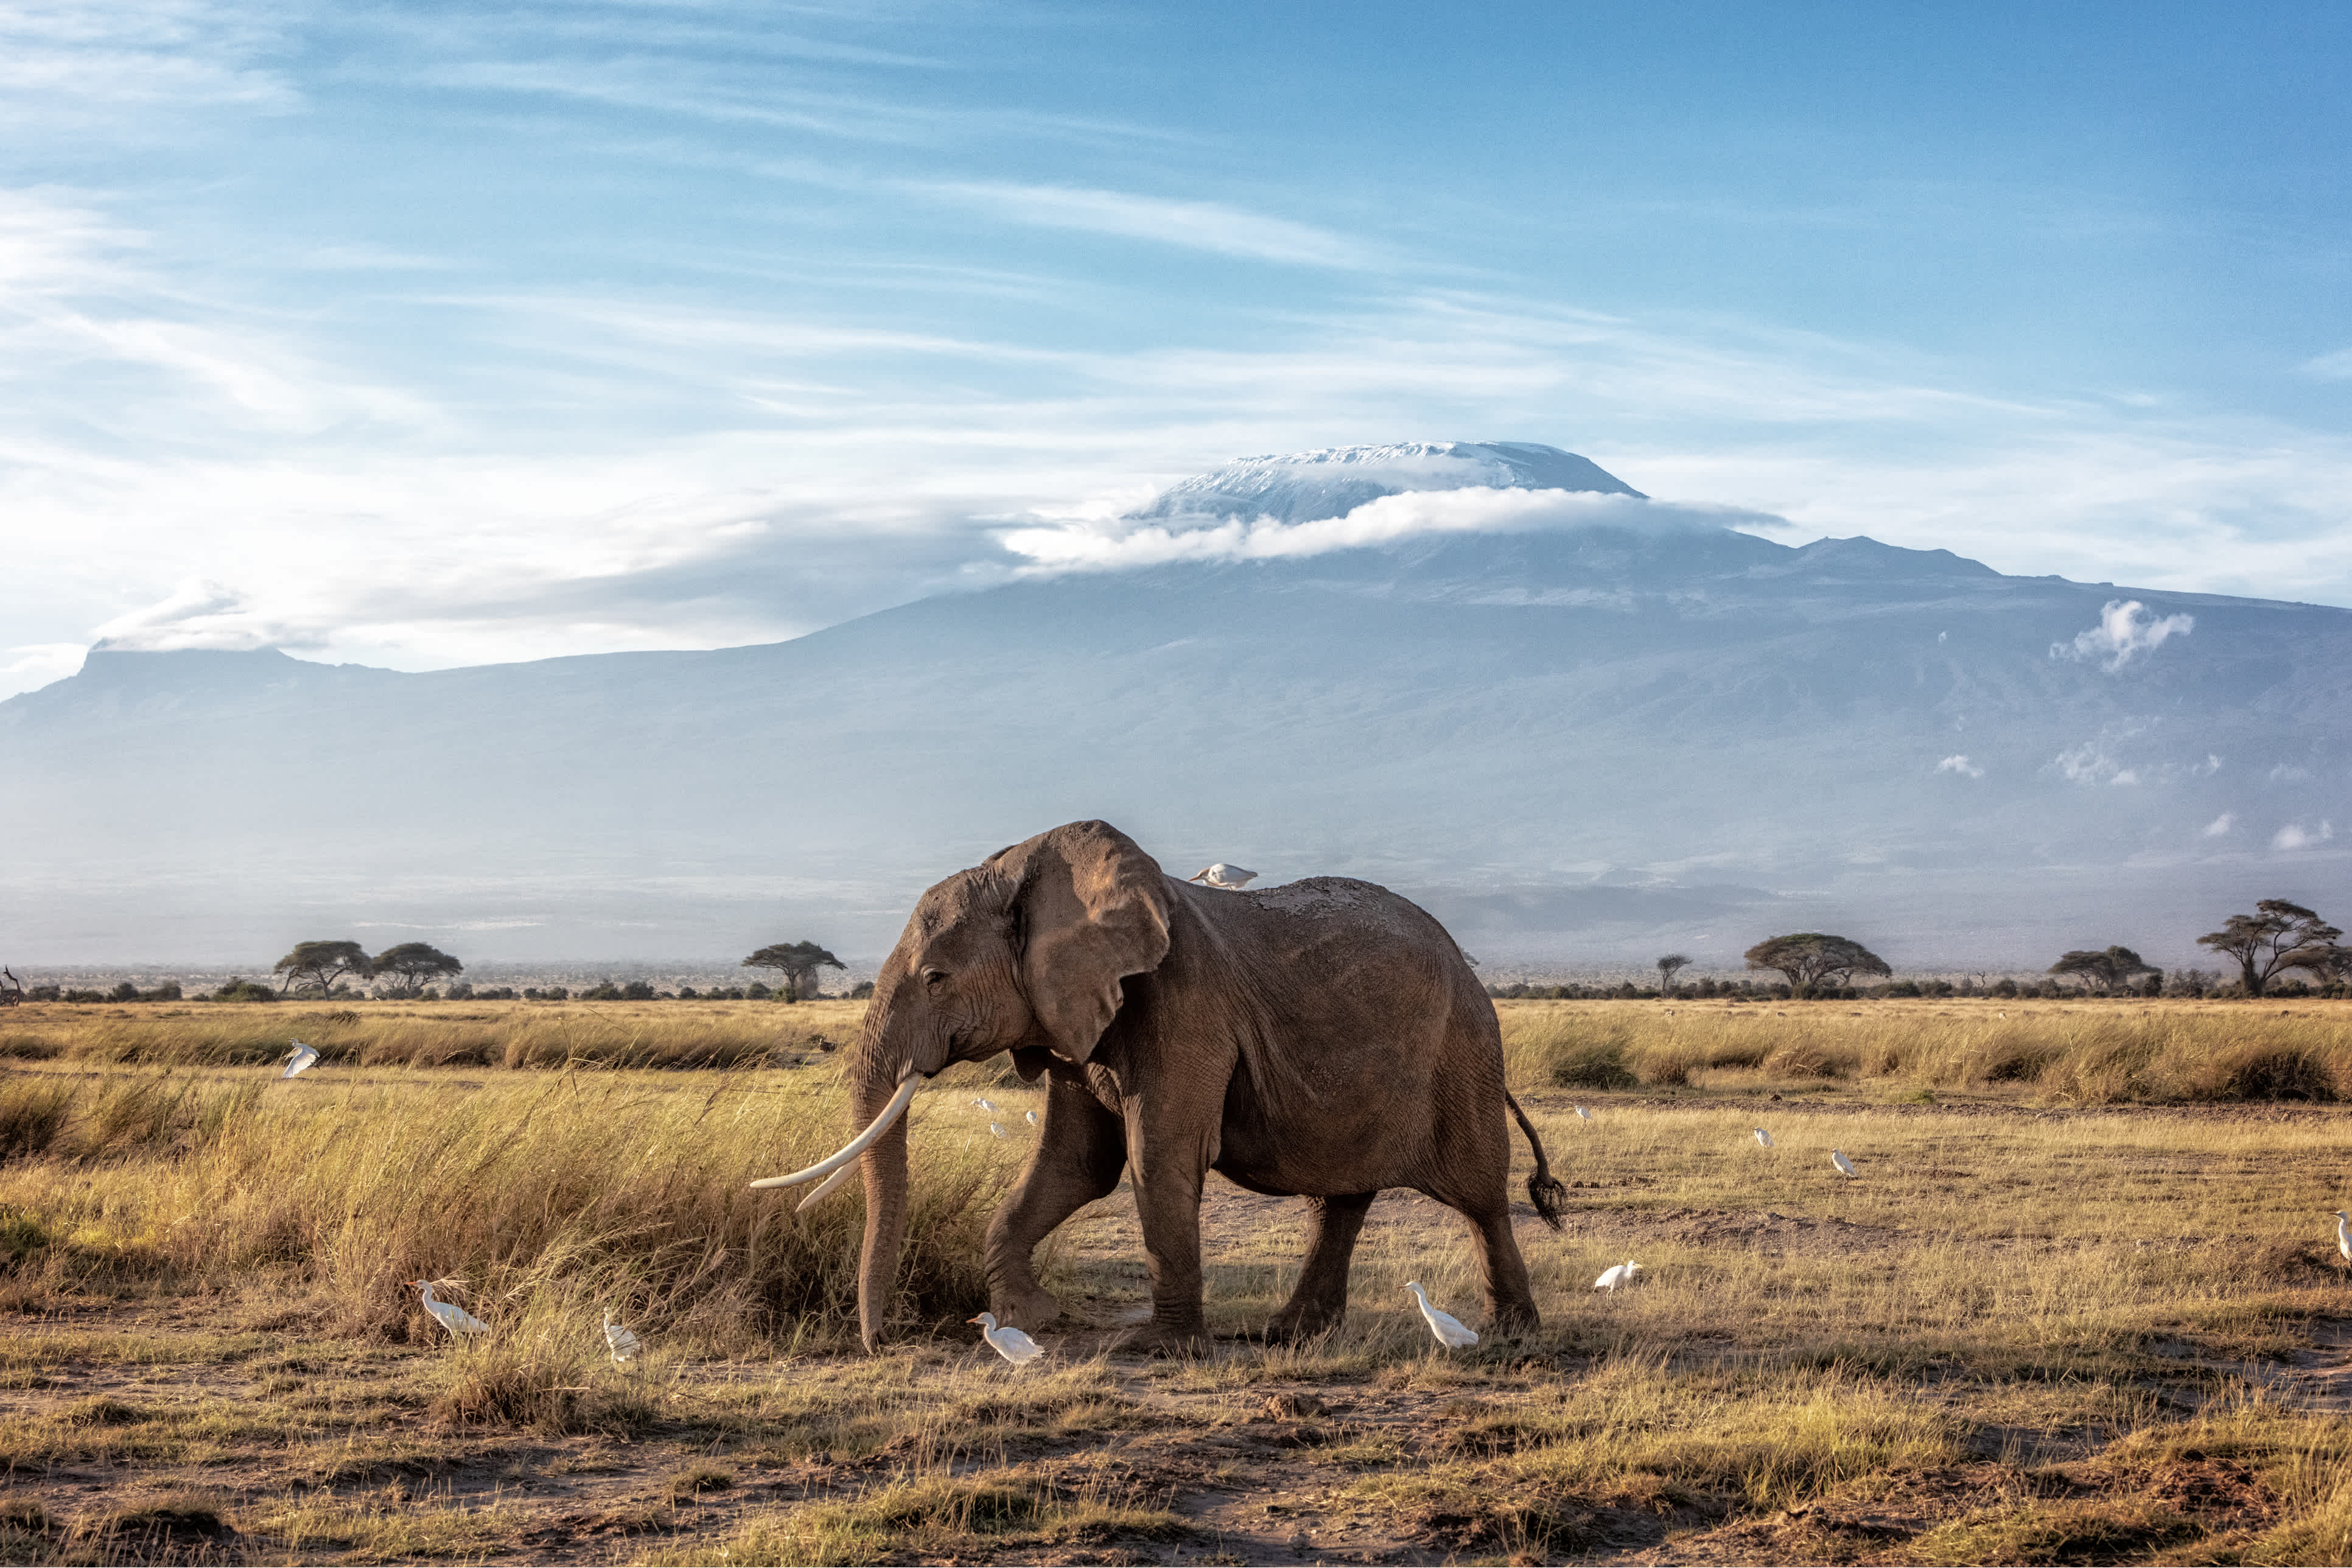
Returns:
(2270,947)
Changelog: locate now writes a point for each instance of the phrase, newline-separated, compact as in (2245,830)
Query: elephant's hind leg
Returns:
(1081,1149)
(1510,1298)
(1321,1302)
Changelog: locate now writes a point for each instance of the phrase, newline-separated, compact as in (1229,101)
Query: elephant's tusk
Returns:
(830,1181)
(852,1149)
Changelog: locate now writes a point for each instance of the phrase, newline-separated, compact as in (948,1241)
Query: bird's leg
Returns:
(1320,1300)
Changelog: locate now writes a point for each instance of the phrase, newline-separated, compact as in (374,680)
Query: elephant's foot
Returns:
(1157,1337)
(1297,1322)
(1513,1322)
(1028,1310)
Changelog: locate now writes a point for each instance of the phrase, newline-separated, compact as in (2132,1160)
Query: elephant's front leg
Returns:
(1081,1148)
(1168,1167)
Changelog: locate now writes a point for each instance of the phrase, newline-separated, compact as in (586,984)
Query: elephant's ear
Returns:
(1093,911)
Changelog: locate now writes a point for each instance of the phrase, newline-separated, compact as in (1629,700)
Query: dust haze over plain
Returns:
(1580,725)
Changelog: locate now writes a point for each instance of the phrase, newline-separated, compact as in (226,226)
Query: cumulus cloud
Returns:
(2127,630)
(1109,545)
(2221,825)
(2089,764)
(2294,836)
(1958,762)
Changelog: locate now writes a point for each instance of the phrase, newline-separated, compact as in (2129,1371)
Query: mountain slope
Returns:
(1576,745)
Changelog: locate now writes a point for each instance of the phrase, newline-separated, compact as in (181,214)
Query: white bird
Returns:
(1845,1165)
(1582,1114)
(1223,876)
(992,1127)
(1611,1278)
(1764,1138)
(449,1315)
(299,1060)
(1031,1116)
(985,1104)
(623,1342)
(1449,1330)
(2344,1235)
(1009,1343)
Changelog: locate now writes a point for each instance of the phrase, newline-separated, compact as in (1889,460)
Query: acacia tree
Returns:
(2277,937)
(411,963)
(1812,958)
(798,962)
(1669,966)
(321,964)
(2104,970)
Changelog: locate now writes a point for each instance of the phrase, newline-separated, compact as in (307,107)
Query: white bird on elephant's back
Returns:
(1223,876)
(1009,1343)
(1449,1330)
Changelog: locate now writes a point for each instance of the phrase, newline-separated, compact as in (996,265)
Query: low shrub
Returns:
(1592,1064)
(1809,1061)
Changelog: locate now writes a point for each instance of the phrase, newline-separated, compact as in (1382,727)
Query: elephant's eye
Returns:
(933,977)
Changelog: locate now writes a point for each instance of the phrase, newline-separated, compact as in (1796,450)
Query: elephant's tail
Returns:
(1544,1189)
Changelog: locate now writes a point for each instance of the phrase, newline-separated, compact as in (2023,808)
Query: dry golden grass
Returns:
(2032,1330)
(2081,1052)
(435,1033)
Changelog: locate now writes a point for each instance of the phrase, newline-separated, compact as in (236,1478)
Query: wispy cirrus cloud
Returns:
(1212,227)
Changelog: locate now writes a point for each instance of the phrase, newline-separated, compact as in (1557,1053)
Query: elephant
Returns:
(1324,1039)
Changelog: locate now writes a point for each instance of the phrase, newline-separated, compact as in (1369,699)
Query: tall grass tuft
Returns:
(2091,1053)
(549,1191)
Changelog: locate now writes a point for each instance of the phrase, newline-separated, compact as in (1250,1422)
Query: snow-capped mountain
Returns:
(1576,743)
(1302,487)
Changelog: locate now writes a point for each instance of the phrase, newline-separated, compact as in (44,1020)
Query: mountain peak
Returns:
(1332,481)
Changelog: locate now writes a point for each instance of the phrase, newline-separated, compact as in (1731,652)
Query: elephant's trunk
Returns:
(884,1163)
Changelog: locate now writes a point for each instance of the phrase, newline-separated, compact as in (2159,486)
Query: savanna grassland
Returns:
(2081,1302)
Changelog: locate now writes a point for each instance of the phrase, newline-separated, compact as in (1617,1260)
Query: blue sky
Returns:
(423,335)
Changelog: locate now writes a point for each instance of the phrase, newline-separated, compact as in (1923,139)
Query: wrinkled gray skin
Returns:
(1325,1038)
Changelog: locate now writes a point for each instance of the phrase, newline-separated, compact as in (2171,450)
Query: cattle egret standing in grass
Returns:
(1449,1330)
(1582,1114)
(449,1315)
(1031,1116)
(1011,1343)
(1763,1138)
(2344,1237)
(992,1127)
(299,1060)
(1611,1278)
(1845,1165)
(623,1342)
(1223,876)
(988,1105)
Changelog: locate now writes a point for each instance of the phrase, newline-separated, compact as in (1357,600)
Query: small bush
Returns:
(2270,1072)
(1807,1061)
(1592,1064)
(31,1114)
